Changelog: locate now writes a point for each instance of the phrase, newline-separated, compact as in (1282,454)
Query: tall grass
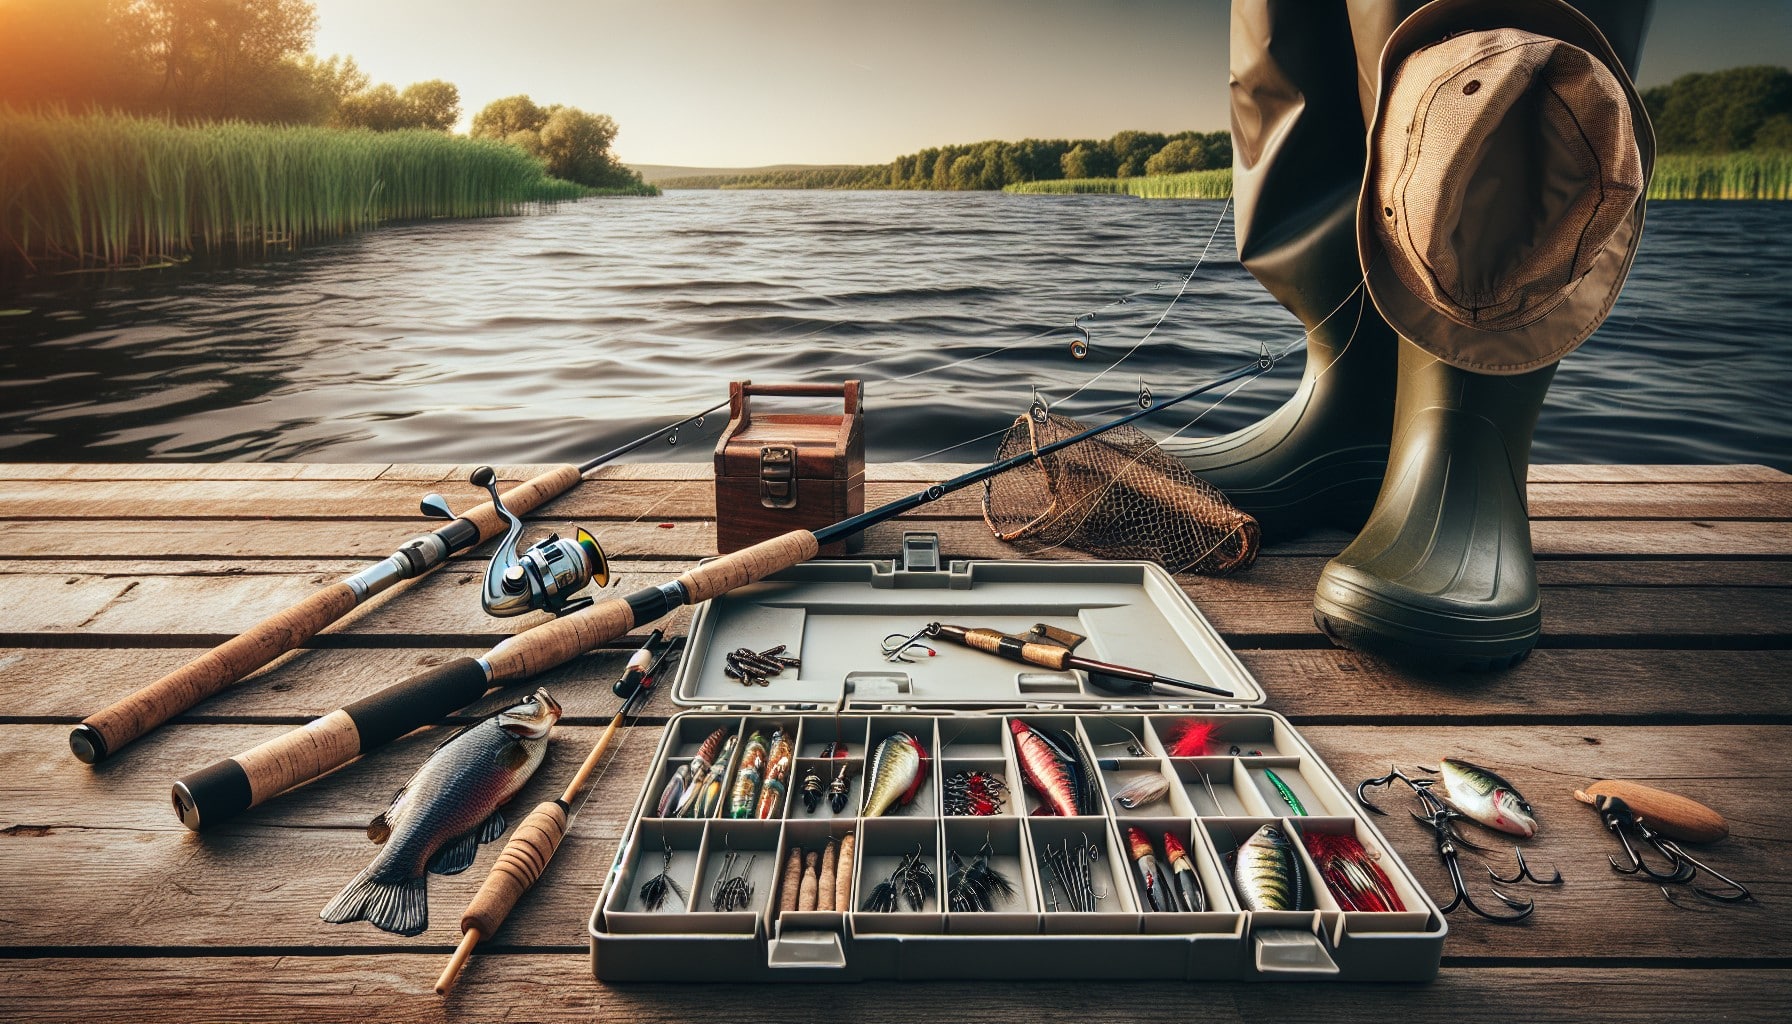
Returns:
(113,190)
(1192,185)
(1751,174)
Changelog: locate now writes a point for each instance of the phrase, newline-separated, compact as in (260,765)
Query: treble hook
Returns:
(1524,873)
(1394,775)
(894,653)
(1447,841)
(1617,816)
(1739,893)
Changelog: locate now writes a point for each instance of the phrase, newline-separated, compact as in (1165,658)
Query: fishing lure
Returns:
(1043,769)
(746,777)
(711,799)
(1285,793)
(672,797)
(775,773)
(838,789)
(1268,873)
(1143,790)
(898,767)
(1189,738)
(1151,880)
(975,793)
(1351,874)
(977,887)
(1481,795)
(656,890)
(812,790)
(701,763)
(1188,884)
(909,883)
(436,823)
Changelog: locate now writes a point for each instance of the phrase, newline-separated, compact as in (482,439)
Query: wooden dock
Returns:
(1666,657)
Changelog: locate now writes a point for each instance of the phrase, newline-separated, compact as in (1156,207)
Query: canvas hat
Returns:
(1502,201)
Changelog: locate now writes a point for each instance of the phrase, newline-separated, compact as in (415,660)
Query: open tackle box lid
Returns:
(835,616)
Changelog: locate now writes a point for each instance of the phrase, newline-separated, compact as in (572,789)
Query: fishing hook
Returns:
(1524,873)
(1438,817)
(1739,893)
(1618,817)
(895,653)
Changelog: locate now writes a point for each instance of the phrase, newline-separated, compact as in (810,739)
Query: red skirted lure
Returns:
(1151,878)
(1190,738)
(1188,884)
(1043,769)
(1355,880)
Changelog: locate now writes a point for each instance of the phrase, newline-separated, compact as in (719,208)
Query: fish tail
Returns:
(399,905)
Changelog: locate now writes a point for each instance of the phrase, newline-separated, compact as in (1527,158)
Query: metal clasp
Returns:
(777,476)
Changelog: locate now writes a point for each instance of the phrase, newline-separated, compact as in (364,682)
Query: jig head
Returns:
(545,576)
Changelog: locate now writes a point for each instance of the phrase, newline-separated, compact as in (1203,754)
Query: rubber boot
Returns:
(1318,460)
(1442,575)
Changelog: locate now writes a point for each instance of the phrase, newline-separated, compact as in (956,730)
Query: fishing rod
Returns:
(235,784)
(537,839)
(105,732)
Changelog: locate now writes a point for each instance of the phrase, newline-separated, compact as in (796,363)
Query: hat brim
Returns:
(1587,304)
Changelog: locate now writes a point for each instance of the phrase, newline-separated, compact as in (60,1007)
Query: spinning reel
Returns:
(545,576)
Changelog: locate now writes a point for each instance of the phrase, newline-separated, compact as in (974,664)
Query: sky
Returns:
(744,83)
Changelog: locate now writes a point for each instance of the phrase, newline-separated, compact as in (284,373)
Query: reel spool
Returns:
(546,576)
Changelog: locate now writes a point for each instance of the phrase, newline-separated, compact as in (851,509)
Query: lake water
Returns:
(557,336)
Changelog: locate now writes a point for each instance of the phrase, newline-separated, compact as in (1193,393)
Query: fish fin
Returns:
(491,828)
(400,906)
(379,829)
(908,796)
(513,756)
(455,857)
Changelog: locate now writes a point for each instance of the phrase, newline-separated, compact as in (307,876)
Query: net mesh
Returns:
(1114,495)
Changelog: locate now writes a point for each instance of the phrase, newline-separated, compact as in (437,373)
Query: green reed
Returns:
(1750,174)
(114,190)
(1191,185)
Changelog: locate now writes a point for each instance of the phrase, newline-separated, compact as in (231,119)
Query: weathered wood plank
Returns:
(289,538)
(555,987)
(109,839)
(628,499)
(64,684)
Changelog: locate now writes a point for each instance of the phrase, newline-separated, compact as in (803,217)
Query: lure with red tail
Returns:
(1043,769)
(898,767)
(1188,885)
(1151,879)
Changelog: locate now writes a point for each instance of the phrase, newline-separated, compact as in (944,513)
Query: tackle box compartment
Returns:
(834,616)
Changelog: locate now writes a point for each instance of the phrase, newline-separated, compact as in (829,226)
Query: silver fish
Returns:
(1268,873)
(1481,795)
(437,821)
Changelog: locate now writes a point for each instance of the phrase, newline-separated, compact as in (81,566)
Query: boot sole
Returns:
(1411,636)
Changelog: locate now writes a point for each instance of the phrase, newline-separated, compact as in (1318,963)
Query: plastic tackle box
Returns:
(834,616)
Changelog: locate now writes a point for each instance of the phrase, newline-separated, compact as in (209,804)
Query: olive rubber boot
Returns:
(1442,575)
(1319,459)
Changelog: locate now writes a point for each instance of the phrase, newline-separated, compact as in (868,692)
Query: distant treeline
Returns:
(989,166)
(1746,108)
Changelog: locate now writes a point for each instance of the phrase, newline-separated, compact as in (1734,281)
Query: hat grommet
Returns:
(1473,86)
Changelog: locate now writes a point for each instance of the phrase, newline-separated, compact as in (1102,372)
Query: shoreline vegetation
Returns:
(118,191)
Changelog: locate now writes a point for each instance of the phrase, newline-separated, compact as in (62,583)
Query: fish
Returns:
(1480,795)
(746,778)
(898,767)
(1188,884)
(699,767)
(710,797)
(1151,880)
(1043,769)
(776,772)
(436,823)
(1268,873)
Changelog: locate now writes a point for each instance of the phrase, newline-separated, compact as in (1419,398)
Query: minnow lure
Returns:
(777,770)
(1043,769)
(1151,880)
(1481,795)
(710,800)
(1268,874)
(1285,793)
(898,767)
(746,777)
(672,797)
(1188,884)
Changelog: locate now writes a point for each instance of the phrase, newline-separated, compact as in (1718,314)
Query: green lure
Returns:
(1286,794)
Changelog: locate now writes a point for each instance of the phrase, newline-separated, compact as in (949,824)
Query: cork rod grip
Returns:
(524,498)
(524,858)
(748,565)
(560,640)
(105,732)
(1043,655)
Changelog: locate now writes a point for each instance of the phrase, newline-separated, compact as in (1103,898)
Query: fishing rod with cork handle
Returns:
(525,857)
(235,784)
(105,732)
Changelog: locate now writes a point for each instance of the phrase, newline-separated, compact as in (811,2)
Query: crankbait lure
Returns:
(1151,880)
(1481,795)
(437,821)
(1043,769)
(1188,884)
(699,769)
(1268,873)
(741,799)
(898,767)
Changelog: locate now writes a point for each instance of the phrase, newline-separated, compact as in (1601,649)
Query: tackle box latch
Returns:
(1290,951)
(805,948)
(920,552)
(777,476)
